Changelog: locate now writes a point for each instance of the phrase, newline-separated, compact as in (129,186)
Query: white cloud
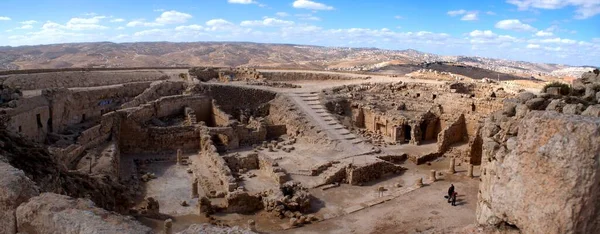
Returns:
(515,25)
(491,13)
(167,17)
(398,17)
(543,33)
(558,40)
(120,28)
(219,25)
(76,24)
(28,22)
(267,22)
(118,20)
(489,37)
(151,32)
(533,46)
(486,33)
(583,8)
(282,14)
(308,17)
(470,16)
(457,12)
(26,26)
(173,17)
(193,27)
(4,18)
(241,1)
(307,4)
(158,10)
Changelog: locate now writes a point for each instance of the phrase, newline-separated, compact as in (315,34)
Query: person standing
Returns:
(450,192)
(454,198)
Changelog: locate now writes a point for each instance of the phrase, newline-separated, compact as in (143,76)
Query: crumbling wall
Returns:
(30,118)
(237,162)
(540,169)
(356,175)
(156,90)
(254,100)
(242,202)
(136,136)
(269,165)
(208,154)
(219,117)
(454,132)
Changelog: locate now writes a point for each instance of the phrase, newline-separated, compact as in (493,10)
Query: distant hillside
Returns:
(167,54)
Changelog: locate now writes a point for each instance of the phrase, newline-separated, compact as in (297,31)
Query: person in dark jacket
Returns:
(450,192)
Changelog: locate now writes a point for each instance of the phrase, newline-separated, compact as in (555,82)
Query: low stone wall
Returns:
(363,174)
(269,165)
(208,154)
(248,162)
(420,159)
(242,202)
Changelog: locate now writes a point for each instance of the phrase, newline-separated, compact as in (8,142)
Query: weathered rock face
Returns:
(16,188)
(545,177)
(53,213)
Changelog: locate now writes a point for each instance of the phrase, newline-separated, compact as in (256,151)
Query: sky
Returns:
(550,31)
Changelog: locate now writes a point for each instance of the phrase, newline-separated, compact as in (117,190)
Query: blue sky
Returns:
(554,31)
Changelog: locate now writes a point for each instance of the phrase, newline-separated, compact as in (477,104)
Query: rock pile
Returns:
(292,197)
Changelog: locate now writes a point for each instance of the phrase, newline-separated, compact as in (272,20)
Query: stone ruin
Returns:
(156,147)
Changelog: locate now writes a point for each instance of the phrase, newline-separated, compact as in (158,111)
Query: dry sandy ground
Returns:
(422,211)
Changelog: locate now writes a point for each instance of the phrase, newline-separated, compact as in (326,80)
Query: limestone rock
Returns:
(556,105)
(15,188)
(525,96)
(536,104)
(573,109)
(547,180)
(53,213)
(592,111)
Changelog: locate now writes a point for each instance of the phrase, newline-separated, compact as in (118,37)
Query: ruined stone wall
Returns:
(251,99)
(70,79)
(71,107)
(292,76)
(219,117)
(208,154)
(156,90)
(87,139)
(136,136)
(454,131)
(540,170)
(227,136)
(356,175)
(269,165)
(248,162)
(30,118)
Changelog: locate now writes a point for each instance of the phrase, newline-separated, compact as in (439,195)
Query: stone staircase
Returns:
(310,104)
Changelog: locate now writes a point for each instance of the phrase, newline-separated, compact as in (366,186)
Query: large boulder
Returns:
(15,188)
(53,213)
(547,180)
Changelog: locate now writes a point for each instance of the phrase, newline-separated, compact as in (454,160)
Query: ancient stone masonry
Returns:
(210,155)
(540,170)
(16,189)
(415,113)
(358,175)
